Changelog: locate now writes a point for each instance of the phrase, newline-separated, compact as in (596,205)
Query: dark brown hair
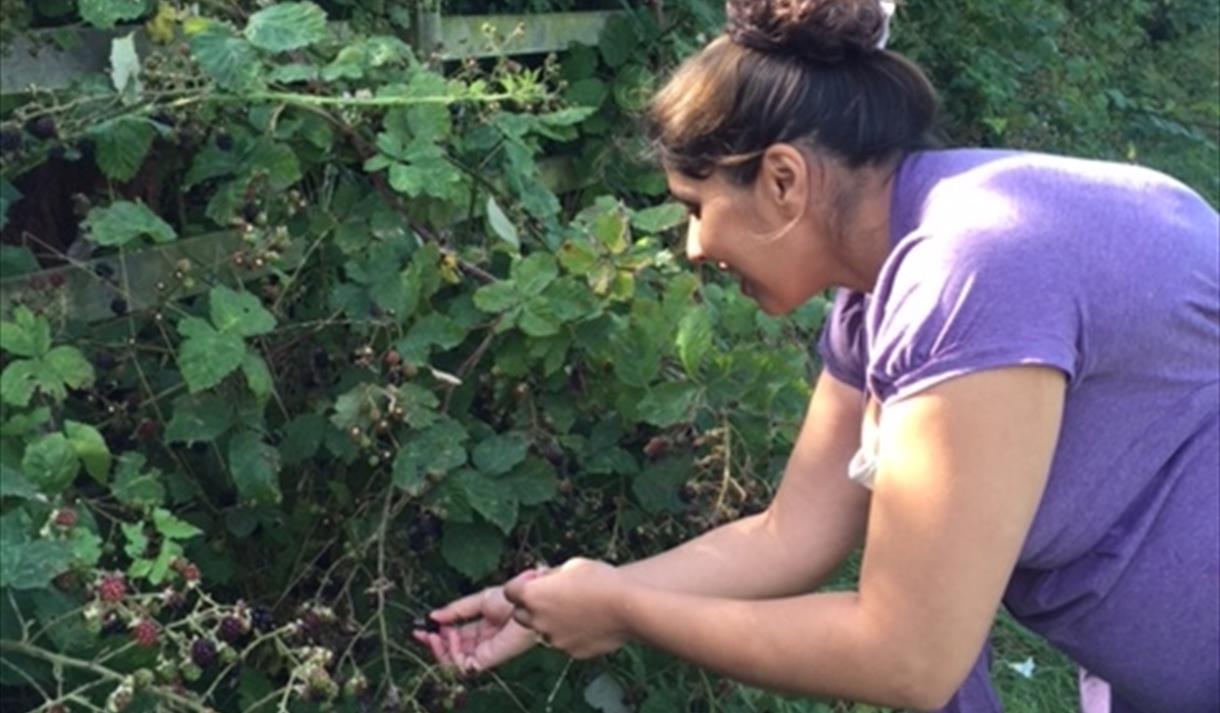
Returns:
(793,71)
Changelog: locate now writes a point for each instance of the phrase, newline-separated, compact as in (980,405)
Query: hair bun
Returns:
(826,31)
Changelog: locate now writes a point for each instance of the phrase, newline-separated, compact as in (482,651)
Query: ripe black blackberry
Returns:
(232,629)
(42,128)
(203,653)
(262,620)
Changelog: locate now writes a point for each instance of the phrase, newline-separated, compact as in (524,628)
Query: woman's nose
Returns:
(694,250)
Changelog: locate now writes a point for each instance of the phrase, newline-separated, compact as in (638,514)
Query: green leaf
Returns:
(231,61)
(134,486)
(578,257)
(661,218)
(694,339)
(123,221)
(50,463)
(9,195)
(15,485)
(86,546)
(91,448)
(105,13)
(473,549)
(255,466)
(27,335)
(619,40)
(501,225)
(501,453)
(17,382)
(207,356)
(533,482)
(137,541)
(67,366)
(34,564)
(490,498)
(125,64)
(14,259)
(353,406)
(172,528)
(436,449)
(199,418)
(278,161)
(496,297)
(538,319)
(612,230)
(258,376)
(239,313)
(302,437)
(432,330)
(669,404)
(534,273)
(656,488)
(122,145)
(286,26)
(418,405)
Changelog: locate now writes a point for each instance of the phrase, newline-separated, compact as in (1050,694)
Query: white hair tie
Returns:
(888,7)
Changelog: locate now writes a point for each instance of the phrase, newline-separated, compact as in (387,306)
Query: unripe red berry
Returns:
(145,633)
(65,517)
(112,588)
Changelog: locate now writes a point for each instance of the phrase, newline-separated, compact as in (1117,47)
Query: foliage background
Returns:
(419,369)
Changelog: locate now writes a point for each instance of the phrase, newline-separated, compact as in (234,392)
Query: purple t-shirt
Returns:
(1111,274)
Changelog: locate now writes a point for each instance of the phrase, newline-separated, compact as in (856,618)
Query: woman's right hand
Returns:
(477,632)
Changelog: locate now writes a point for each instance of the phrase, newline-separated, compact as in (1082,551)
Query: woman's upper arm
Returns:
(962,469)
(817,507)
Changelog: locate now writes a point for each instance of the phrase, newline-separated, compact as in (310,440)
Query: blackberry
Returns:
(203,653)
(103,270)
(249,211)
(262,619)
(224,142)
(42,128)
(119,306)
(232,629)
(10,140)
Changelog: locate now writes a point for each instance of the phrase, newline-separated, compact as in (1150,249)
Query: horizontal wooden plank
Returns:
(463,36)
(37,58)
(141,279)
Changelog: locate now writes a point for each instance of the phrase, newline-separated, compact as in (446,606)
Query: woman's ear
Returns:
(784,179)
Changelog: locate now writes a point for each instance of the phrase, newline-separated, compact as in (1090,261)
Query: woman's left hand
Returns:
(575,608)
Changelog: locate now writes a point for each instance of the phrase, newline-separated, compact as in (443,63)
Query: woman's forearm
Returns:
(820,645)
(751,558)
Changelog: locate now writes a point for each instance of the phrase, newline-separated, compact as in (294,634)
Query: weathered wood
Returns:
(143,279)
(35,58)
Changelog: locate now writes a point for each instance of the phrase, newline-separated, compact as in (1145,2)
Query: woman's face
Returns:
(766,239)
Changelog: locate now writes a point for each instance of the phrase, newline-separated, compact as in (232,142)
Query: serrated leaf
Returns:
(660,218)
(105,13)
(501,225)
(18,381)
(255,467)
(490,498)
(278,161)
(34,564)
(533,482)
(286,26)
(67,366)
(436,449)
(231,61)
(239,313)
(500,453)
(199,418)
(121,146)
(171,527)
(133,485)
(669,404)
(258,376)
(125,64)
(207,356)
(23,423)
(13,484)
(534,273)
(473,549)
(612,230)
(433,330)
(50,463)
(578,257)
(656,487)
(694,339)
(123,221)
(91,448)
(418,405)
(496,297)
(27,335)
(86,546)
(619,40)
(302,437)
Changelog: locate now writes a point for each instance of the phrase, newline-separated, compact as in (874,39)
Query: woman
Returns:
(1022,381)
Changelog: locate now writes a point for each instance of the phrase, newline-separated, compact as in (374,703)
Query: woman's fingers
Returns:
(467,607)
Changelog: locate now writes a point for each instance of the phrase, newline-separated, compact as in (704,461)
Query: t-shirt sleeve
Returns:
(955,305)
(843,344)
